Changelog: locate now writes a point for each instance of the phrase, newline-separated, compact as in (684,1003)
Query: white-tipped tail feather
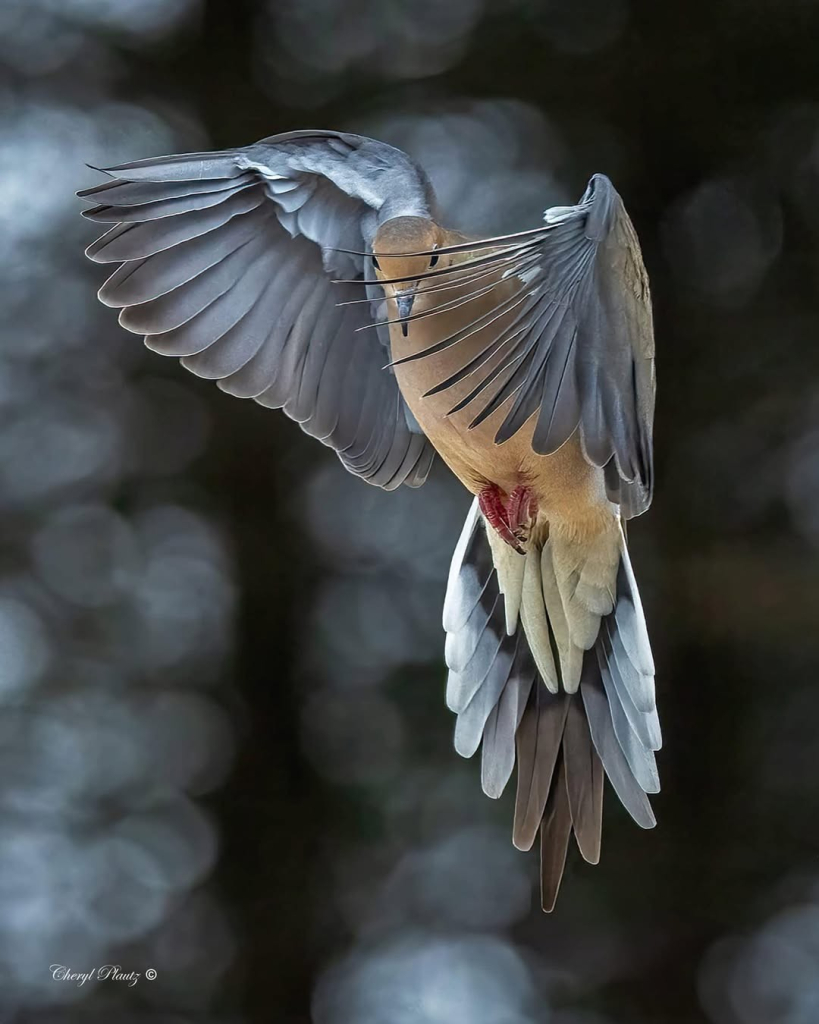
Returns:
(531,683)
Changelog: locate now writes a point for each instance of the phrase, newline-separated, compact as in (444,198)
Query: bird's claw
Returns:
(513,519)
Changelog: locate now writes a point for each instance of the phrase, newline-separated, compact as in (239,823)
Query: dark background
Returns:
(225,750)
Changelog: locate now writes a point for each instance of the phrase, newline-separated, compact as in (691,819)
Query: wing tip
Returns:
(84,192)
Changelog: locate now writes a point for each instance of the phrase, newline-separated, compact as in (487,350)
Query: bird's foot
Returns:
(511,519)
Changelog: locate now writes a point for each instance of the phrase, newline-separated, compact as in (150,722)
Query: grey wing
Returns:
(228,262)
(574,346)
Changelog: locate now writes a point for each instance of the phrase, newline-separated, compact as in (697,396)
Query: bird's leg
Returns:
(513,519)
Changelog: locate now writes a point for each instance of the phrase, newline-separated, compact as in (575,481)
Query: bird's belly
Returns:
(566,485)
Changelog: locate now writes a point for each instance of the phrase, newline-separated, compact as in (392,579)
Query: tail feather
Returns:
(510,566)
(584,783)
(645,723)
(501,687)
(637,752)
(640,686)
(469,574)
(536,623)
(538,747)
(498,749)
(570,654)
(462,644)
(471,722)
(584,569)
(631,622)
(627,788)
(554,839)
(462,686)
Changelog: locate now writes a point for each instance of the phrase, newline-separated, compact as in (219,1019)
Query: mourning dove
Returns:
(287,269)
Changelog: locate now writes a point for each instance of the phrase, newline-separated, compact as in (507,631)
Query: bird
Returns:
(311,272)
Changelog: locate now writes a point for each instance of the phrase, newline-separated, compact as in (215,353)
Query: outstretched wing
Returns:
(574,343)
(228,261)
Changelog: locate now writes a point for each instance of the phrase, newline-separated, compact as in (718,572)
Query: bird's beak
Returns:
(404,301)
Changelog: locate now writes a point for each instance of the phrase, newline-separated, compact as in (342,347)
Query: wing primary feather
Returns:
(481,322)
(509,387)
(162,208)
(139,193)
(507,335)
(443,307)
(454,268)
(458,282)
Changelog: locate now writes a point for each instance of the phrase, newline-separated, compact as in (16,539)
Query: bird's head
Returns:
(403,249)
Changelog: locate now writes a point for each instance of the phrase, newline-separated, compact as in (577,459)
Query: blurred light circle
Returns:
(397,529)
(349,647)
(454,802)
(528,194)
(64,444)
(388,40)
(103,751)
(128,901)
(35,865)
(184,597)
(177,840)
(25,649)
(142,17)
(421,978)
(721,238)
(187,739)
(39,36)
(144,861)
(33,42)
(87,554)
(775,978)
(41,761)
(473,878)
(50,141)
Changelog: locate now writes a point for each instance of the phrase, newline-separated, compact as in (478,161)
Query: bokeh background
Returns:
(224,750)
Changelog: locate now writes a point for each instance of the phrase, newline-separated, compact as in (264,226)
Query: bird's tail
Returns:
(550,669)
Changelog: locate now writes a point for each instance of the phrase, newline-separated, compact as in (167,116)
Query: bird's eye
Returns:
(434,260)
(375,263)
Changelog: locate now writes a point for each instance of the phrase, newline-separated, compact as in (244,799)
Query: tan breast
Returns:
(563,481)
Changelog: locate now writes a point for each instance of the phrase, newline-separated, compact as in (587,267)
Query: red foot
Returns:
(512,520)
(521,508)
